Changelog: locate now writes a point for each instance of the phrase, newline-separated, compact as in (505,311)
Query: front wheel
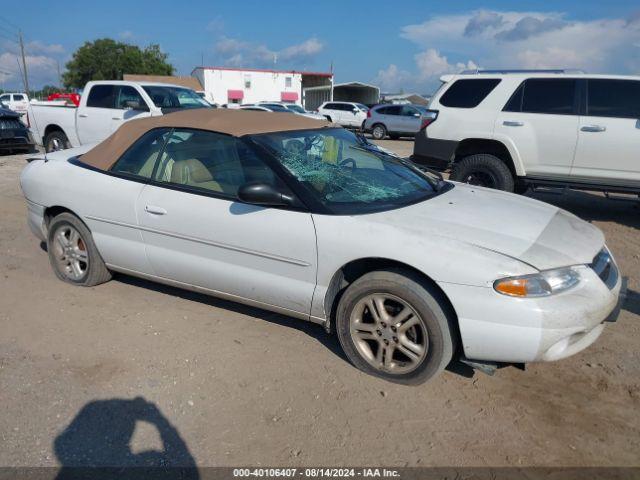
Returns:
(393,325)
(73,255)
(483,170)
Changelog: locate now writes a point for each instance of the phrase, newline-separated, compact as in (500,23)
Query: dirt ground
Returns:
(105,375)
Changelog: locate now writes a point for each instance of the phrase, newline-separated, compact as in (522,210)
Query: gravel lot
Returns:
(108,374)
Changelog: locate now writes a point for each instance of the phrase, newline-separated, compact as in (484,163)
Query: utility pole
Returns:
(24,62)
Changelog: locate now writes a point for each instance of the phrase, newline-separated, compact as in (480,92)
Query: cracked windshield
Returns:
(340,168)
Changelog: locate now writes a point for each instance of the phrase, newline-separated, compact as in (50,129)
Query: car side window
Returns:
(139,160)
(549,95)
(408,111)
(18,98)
(468,93)
(330,106)
(613,98)
(395,110)
(127,95)
(210,162)
(101,96)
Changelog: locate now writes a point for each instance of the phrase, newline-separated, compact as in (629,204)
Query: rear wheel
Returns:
(328,118)
(379,131)
(483,170)
(73,254)
(393,325)
(55,141)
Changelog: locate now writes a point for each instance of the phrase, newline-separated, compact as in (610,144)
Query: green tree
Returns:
(106,59)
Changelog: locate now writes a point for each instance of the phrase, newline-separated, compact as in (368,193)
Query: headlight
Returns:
(538,284)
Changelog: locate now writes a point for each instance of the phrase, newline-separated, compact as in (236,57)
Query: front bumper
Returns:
(498,328)
(35,220)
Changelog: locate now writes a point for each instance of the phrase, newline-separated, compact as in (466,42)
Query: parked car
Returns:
(395,120)
(104,106)
(294,108)
(346,114)
(17,102)
(255,108)
(554,128)
(296,216)
(14,135)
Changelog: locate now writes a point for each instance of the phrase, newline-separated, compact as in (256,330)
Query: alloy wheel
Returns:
(70,252)
(388,333)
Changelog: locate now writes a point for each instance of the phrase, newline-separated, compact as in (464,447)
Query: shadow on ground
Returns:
(97,444)
(315,331)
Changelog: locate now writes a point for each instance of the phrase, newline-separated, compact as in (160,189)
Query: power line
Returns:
(9,23)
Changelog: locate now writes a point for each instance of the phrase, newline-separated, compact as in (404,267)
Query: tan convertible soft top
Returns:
(231,122)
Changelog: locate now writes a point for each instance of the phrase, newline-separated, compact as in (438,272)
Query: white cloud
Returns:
(235,52)
(42,64)
(126,35)
(511,39)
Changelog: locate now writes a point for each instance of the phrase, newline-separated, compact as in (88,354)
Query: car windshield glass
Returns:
(346,173)
(174,97)
(296,108)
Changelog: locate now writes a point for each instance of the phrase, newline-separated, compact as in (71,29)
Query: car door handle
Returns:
(153,210)
(116,118)
(511,123)
(83,115)
(593,128)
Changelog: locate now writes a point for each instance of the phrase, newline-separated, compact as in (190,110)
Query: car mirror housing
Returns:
(259,193)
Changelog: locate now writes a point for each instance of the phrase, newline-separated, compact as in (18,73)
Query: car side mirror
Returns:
(136,105)
(259,193)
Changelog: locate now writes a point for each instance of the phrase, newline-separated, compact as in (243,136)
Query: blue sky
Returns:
(397,45)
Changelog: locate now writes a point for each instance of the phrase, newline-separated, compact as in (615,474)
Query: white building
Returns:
(224,85)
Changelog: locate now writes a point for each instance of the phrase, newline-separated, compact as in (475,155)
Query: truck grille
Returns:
(10,124)
(605,268)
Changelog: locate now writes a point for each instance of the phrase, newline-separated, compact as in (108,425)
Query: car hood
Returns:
(531,231)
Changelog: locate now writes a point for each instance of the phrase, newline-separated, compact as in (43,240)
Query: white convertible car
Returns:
(300,217)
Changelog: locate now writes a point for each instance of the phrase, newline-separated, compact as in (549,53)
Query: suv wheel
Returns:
(328,118)
(485,171)
(393,325)
(379,131)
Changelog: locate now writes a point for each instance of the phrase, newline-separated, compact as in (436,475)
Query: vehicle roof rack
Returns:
(477,71)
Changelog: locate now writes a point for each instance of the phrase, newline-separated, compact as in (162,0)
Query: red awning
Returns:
(289,96)
(235,94)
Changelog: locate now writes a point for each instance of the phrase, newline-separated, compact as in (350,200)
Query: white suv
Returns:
(512,130)
(347,114)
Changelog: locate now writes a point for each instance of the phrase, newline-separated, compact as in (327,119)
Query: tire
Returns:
(432,327)
(328,118)
(378,131)
(483,170)
(55,141)
(67,253)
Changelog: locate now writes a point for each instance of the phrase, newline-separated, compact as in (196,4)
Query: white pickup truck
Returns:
(104,106)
